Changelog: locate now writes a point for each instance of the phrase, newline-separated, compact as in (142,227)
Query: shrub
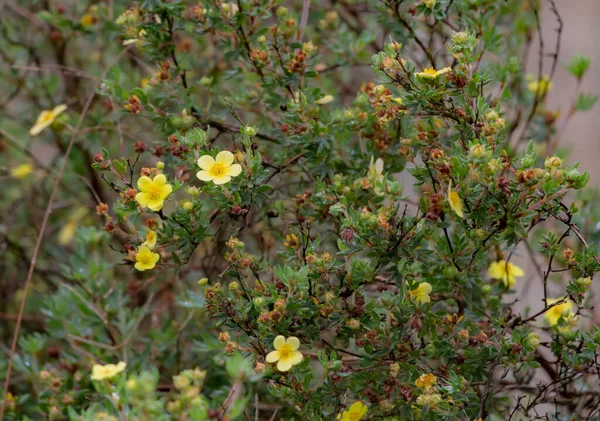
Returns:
(246,221)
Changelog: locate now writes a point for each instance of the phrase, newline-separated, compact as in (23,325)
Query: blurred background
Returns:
(580,36)
(581,134)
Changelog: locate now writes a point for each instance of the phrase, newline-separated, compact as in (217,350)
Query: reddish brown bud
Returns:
(102,208)
(139,147)
(109,226)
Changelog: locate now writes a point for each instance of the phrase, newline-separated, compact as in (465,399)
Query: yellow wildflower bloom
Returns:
(87,20)
(325,100)
(506,272)
(563,310)
(375,172)
(46,118)
(150,239)
(153,192)
(539,87)
(145,259)
(103,372)
(429,399)
(137,41)
(356,412)
(66,234)
(429,3)
(455,201)
(21,171)
(292,240)
(219,170)
(426,380)
(421,294)
(286,353)
(431,73)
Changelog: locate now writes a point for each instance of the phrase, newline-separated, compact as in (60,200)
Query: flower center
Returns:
(218,169)
(353,416)
(285,352)
(430,71)
(154,192)
(143,258)
(46,116)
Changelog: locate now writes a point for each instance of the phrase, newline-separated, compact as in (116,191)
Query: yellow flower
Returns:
(46,118)
(429,3)
(138,40)
(539,87)
(153,192)
(145,259)
(426,380)
(286,353)
(292,240)
(421,294)
(66,234)
(431,73)
(325,100)
(103,372)
(477,151)
(356,412)
(150,239)
(455,201)
(563,310)
(429,399)
(506,272)
(219,170)
(375,172)
(21,171)
(87,20)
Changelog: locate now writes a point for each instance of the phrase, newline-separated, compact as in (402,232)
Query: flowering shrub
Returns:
(302,210)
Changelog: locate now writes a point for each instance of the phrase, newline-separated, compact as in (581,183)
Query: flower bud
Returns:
(460,37)
(203,281)
(353,324)
(477,151)
(282,11)
(553,162)
(533,339)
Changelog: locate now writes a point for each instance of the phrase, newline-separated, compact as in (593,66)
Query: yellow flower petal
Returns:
(293,343)
(160,179)
(155,205)
(205,162)
(142,199)
(279,342)
(21,171)
(225,157)
(284,364)
(144,183)
(235,170)
(506,272)
(204,175)
(46,118)
(455,201)
(272,357)
(325,100)
(296,358)
(224,179)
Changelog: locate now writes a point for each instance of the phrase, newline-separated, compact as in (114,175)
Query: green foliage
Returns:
(253,170)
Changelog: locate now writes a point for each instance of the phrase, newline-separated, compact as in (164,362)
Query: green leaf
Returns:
(578,66)
(586,102)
